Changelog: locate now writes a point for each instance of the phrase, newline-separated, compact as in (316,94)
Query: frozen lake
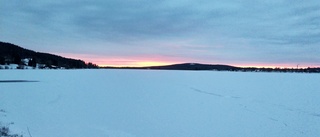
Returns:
(147,103)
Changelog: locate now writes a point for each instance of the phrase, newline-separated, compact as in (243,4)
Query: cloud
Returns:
(206,30)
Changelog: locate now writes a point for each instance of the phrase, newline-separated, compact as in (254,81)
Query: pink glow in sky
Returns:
(142,61)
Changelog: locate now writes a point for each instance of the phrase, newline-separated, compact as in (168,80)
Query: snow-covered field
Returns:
(138,103)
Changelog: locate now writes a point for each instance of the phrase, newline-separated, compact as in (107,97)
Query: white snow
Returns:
(146,103)
(10,66)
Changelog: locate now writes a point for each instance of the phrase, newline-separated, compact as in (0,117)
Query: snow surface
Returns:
(147,103)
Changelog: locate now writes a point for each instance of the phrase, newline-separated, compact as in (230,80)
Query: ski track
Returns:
(278,106)
(55,100)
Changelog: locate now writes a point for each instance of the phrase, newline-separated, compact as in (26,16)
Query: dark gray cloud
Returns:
(245,31)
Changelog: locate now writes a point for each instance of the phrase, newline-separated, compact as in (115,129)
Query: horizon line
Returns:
(240,66)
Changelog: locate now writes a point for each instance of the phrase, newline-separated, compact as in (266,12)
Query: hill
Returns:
(194,66)
(14,54)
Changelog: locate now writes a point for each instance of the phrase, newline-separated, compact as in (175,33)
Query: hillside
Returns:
(195,66)
(14,54)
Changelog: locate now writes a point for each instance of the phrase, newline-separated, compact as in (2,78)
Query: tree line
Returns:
(13,54)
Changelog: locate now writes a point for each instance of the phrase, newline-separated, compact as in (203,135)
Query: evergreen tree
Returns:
(91,65)
(2,60)
(16,59)
(32,62)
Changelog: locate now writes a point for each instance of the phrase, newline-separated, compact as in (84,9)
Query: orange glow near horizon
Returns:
(145,61)
(141,61)
(136,64)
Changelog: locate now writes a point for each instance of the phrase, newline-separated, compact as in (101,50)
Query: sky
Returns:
(283,33)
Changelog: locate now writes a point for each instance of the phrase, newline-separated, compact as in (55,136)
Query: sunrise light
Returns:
(145,61)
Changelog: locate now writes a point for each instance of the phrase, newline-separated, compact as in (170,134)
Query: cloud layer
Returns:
(226,31)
